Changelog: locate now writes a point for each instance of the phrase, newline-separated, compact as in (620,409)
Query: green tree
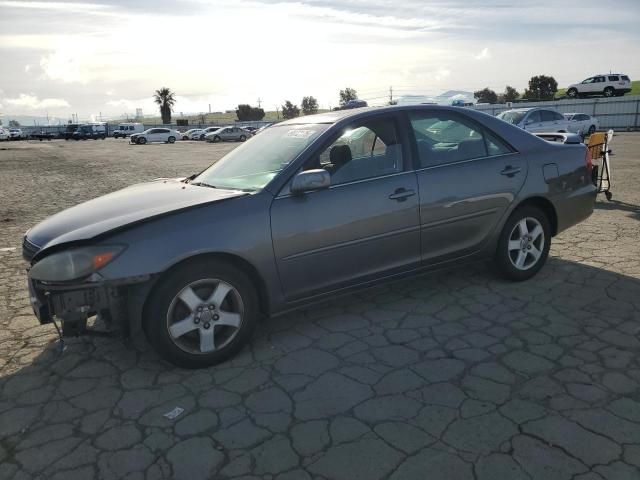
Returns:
(510,94)
(309,105)
(289,110)
(346,95)
(166,99)
(486,95)
(541,87)
(247,113)
(14,124)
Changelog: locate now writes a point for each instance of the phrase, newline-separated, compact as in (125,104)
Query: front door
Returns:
(364,226)
(468,177)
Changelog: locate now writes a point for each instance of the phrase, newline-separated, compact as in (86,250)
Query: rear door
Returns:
(364,226)
(533,122)
(467,176)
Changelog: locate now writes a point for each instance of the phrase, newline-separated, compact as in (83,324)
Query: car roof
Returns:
(354,113)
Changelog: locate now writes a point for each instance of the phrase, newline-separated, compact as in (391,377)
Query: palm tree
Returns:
(165,98)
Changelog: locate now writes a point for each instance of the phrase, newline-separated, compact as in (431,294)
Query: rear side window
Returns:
(443,138)
(613,78)
(547,115)
(557,116)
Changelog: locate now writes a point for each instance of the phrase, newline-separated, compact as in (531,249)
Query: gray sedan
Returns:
(228,134)
(311,208)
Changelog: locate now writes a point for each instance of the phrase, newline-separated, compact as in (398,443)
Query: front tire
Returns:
(523,246)
(201,314)
(609,92)
(592,130)
(141,141)
(243,138)
(572,93)
(216,139)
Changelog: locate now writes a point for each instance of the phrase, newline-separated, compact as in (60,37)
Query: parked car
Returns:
(294,217)
(354,104)
(536,119)
(228,134)
(89,131)
(165,135)
(581,123)
(208,130)
(609,85)
(4,134)
(125,130)
(70,128)
(192,134)
(15,134)
(42,135)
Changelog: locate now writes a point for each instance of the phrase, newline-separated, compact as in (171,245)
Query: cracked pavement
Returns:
(454,375)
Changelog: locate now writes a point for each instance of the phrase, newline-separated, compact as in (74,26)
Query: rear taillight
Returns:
(588,160)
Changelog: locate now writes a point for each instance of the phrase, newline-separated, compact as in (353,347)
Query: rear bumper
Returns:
(623,90)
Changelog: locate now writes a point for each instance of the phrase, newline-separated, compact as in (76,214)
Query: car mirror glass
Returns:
(310,180)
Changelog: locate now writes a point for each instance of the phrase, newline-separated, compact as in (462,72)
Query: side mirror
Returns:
(310,180)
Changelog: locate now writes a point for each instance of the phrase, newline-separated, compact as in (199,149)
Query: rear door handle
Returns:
(510,171)
(401,194)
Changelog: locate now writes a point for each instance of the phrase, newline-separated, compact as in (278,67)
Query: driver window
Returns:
(366,150)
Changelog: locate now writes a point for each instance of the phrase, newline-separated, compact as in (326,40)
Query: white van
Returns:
(127,129)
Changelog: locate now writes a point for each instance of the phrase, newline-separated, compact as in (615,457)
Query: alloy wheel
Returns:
(526,243)
(205,316)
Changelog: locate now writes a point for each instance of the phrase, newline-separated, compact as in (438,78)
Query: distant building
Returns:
(138,113)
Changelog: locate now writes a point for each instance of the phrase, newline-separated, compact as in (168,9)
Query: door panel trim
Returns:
(483,213)
(352,242)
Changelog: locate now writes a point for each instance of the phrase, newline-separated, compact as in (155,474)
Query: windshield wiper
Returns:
(202,184)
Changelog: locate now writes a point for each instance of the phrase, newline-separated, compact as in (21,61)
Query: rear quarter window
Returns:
(625,78)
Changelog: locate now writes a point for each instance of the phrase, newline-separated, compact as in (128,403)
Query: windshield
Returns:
(253,164)
(512,117)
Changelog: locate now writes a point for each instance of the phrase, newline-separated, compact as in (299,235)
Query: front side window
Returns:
(254,164)
(362,151)
(588,80)
(444,138)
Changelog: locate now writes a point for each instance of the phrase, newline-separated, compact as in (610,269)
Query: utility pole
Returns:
(390,95)
(259,102)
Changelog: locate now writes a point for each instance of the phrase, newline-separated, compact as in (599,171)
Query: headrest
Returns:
(340,155)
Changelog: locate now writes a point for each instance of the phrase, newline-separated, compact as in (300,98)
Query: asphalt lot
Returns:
(454,375)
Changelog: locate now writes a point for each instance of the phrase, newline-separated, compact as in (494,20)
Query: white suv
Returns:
(609,85)
(536,120)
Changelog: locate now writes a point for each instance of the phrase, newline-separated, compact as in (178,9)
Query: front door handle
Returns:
(401,194)
(510,171)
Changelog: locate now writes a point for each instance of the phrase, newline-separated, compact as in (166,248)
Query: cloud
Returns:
(484,54)
(31,102)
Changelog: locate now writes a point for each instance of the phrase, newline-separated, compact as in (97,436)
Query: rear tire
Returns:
(523,246)
(171,139)
(187,296)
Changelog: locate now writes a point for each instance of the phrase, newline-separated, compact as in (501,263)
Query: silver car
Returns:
(311,208)
(228,134)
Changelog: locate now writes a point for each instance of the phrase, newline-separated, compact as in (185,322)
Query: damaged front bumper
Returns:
(73,304)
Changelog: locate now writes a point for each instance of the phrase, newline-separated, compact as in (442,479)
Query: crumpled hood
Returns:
(121,208)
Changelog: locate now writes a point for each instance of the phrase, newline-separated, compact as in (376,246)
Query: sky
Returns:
(107,57)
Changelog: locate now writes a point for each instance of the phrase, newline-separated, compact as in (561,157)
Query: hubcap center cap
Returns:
(206,316)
